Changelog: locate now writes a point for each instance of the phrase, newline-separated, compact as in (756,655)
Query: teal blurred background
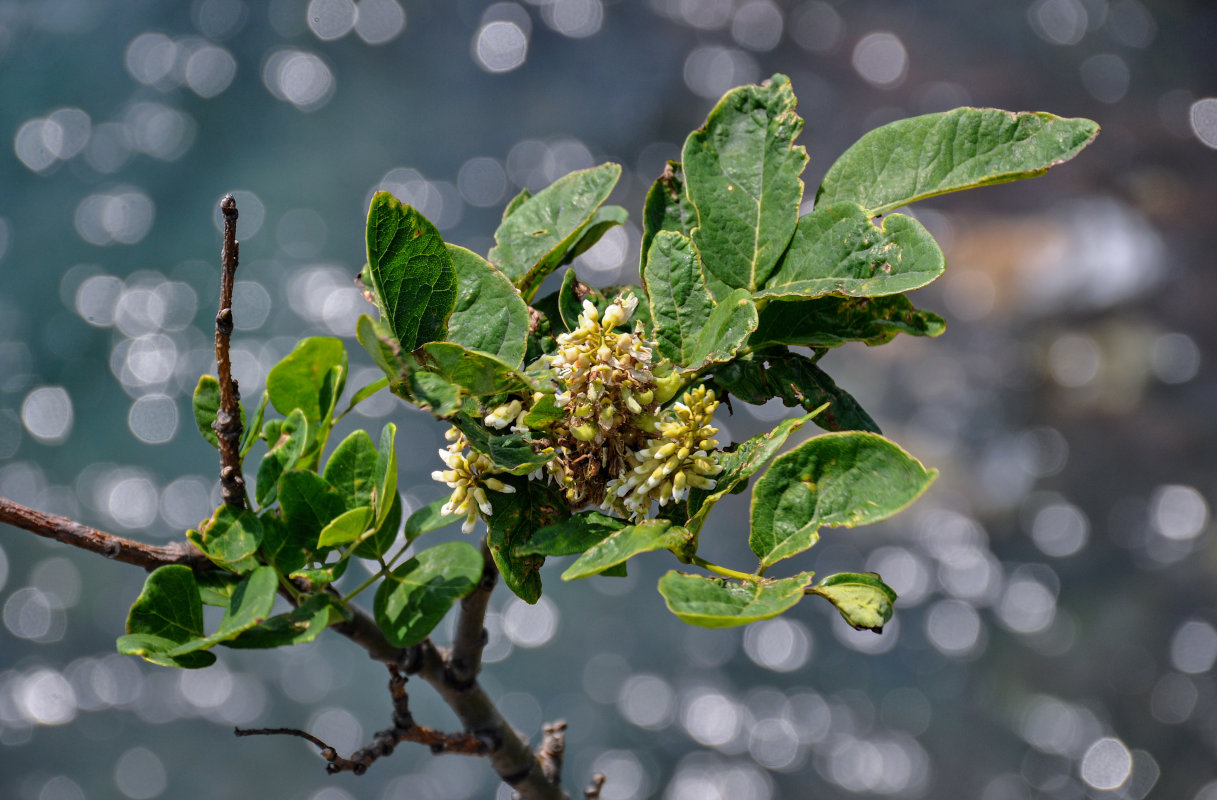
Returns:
(1055,636)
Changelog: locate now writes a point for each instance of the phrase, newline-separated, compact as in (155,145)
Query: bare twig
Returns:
(509,755)
(227,423)
(465,658)
(128,551)
(404,729)
(592,792)
(553,746)
(485,727)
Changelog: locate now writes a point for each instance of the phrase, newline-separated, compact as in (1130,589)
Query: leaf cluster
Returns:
(741,294)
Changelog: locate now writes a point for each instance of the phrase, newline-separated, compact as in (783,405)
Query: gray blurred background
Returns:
(1055,634)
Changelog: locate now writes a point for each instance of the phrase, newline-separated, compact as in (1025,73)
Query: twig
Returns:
(465,658)
(404,729)
(592,792)
(509,755)
(553,746)
(128,551)
(227,423)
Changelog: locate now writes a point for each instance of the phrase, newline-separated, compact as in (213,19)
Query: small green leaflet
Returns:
(167,613)
(302,379)
(719,603)
(837,249)
(489,316)
(838,479)
(667,208)
(412,600)
(413,277)
(863,599)
(571,536)
(742,175)
(680,303)
(912,159)
(536,237)
(430,517)
(653,534)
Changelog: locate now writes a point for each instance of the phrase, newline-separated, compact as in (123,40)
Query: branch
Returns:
(553,746)
(465,658)
(227,423)
(128,551)
(404,729)
(592,792)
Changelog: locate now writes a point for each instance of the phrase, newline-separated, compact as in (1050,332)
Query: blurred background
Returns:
(1055,635)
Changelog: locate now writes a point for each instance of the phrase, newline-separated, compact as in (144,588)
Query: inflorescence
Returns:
(612,447)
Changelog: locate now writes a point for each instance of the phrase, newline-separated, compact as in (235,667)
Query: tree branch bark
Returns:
(465,658)
(128,551)
(227,423)
(508,753)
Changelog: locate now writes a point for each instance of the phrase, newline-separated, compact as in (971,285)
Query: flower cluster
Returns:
(468,476)
(608,388)
(608,448)
(679,458)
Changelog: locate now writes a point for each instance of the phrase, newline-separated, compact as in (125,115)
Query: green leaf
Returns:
(285,548)
(837,249)
(167,613)
(385,351)
(571,536)
(653,534)
(298,626)
(717,603)
(798,382)
(742,174)
(386,472)
(544,413)
(385,535)
(412,273)
(512,452)
(429,518)
(916,158)
(309,503)
(516,516)
(570,299)
(838,479)
(352,469)
(863,599)
(537,236)
(215,587)
(412,600)
(515,203)
(667,208)
(232,536)
(346,527)
(490,316)
(251,603)
(206,404)
(479,374)
(302,380)
(832,321)
(738,466)
(725,331)
(680,303)
(291,439)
